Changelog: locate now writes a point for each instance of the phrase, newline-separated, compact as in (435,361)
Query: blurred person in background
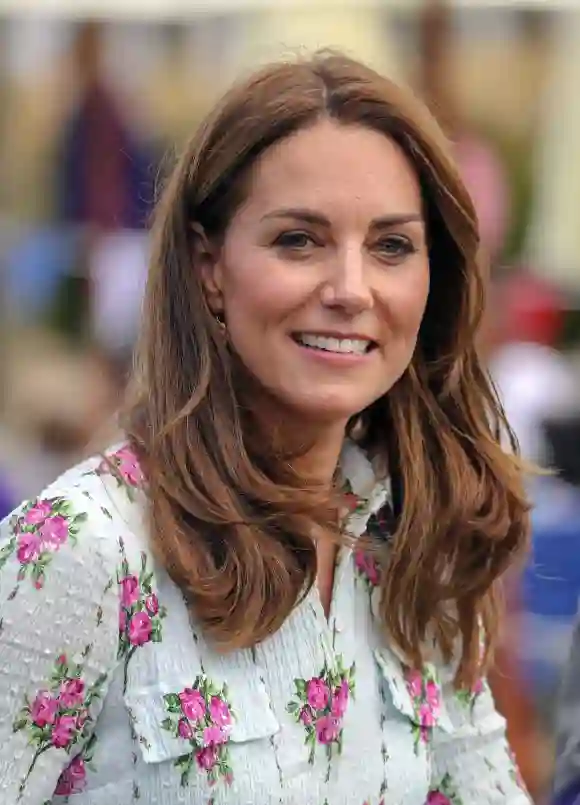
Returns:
(567,776)
(537,386)
(248,600)
(104,167)
(536,382)
(486,178)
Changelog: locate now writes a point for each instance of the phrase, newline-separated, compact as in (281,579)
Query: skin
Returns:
(330,240)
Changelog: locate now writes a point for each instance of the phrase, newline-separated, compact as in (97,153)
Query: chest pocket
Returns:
(206,733)
(416,695)
(199,717)
(183,714)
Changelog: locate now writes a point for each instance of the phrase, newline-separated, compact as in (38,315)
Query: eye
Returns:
(395,248)
(296,240)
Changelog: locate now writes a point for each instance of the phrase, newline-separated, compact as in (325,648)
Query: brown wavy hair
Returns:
(231,521)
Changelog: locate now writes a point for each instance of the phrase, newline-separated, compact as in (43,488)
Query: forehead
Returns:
(337,167)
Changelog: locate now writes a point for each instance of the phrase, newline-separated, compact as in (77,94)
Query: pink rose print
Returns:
(54,531)
(124,467)
(340,699)
(317,694)
(427,720)
(192,704)
(29,547)
(477,687)
(433,695)
(414,681)
(82,718)
(444,794)
(184,729)
(319,706)
(328,729)
(215,735)
(44,709)
(61,717)
(40,529)
(152,604)
(425,695)
(207,758)
(140,614)
(202,716)
(73,779)
(352,502)
(38,513)
(72,693)
(140,629)
(129,467)
(367,568)
(219,711)
(129,591)
(437,798)
(63,732)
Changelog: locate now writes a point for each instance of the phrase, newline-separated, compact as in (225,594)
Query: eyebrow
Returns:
(310,217)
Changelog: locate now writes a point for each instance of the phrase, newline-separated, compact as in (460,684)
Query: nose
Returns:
(347,288)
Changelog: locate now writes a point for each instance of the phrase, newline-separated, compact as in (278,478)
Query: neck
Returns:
(320,461)
(312,450)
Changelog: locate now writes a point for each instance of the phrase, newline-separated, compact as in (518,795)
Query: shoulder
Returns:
(62,559)
(74,526)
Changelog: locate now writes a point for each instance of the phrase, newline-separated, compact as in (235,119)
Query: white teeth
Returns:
(348,345)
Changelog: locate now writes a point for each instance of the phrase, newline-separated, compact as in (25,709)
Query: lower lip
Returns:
(342,359)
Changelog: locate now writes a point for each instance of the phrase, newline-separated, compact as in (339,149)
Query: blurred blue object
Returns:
(35,266)
(551,583)
(7,502)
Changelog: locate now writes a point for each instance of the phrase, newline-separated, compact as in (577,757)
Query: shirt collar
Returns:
(366,488)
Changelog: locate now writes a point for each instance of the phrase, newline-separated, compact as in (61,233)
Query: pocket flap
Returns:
(418,695)
(182,715)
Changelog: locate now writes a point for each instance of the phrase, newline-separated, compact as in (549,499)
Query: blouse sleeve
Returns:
(471,761)
(58,641)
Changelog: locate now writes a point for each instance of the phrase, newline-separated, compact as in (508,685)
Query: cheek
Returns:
(405,306)
(260,290)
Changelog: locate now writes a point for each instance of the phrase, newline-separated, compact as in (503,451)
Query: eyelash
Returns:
(284,239)
(404,247)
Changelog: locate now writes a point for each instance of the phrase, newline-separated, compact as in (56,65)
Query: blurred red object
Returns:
(532,309)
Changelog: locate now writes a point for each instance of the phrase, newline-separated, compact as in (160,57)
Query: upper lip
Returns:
(335,334)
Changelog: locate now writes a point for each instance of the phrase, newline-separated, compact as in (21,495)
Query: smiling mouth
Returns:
(343,346)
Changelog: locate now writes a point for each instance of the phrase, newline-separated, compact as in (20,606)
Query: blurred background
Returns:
(96,97)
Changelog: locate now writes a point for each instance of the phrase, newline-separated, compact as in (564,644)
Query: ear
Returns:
(207,260)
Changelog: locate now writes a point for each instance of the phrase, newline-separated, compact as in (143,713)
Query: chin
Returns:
(326,410)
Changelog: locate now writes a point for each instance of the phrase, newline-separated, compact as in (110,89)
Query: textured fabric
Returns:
(109,693)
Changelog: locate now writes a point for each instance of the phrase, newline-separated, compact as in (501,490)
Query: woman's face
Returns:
(324,271)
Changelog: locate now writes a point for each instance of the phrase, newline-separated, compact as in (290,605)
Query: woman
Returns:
(274,591)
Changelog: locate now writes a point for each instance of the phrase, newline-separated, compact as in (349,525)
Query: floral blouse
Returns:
(110,695)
